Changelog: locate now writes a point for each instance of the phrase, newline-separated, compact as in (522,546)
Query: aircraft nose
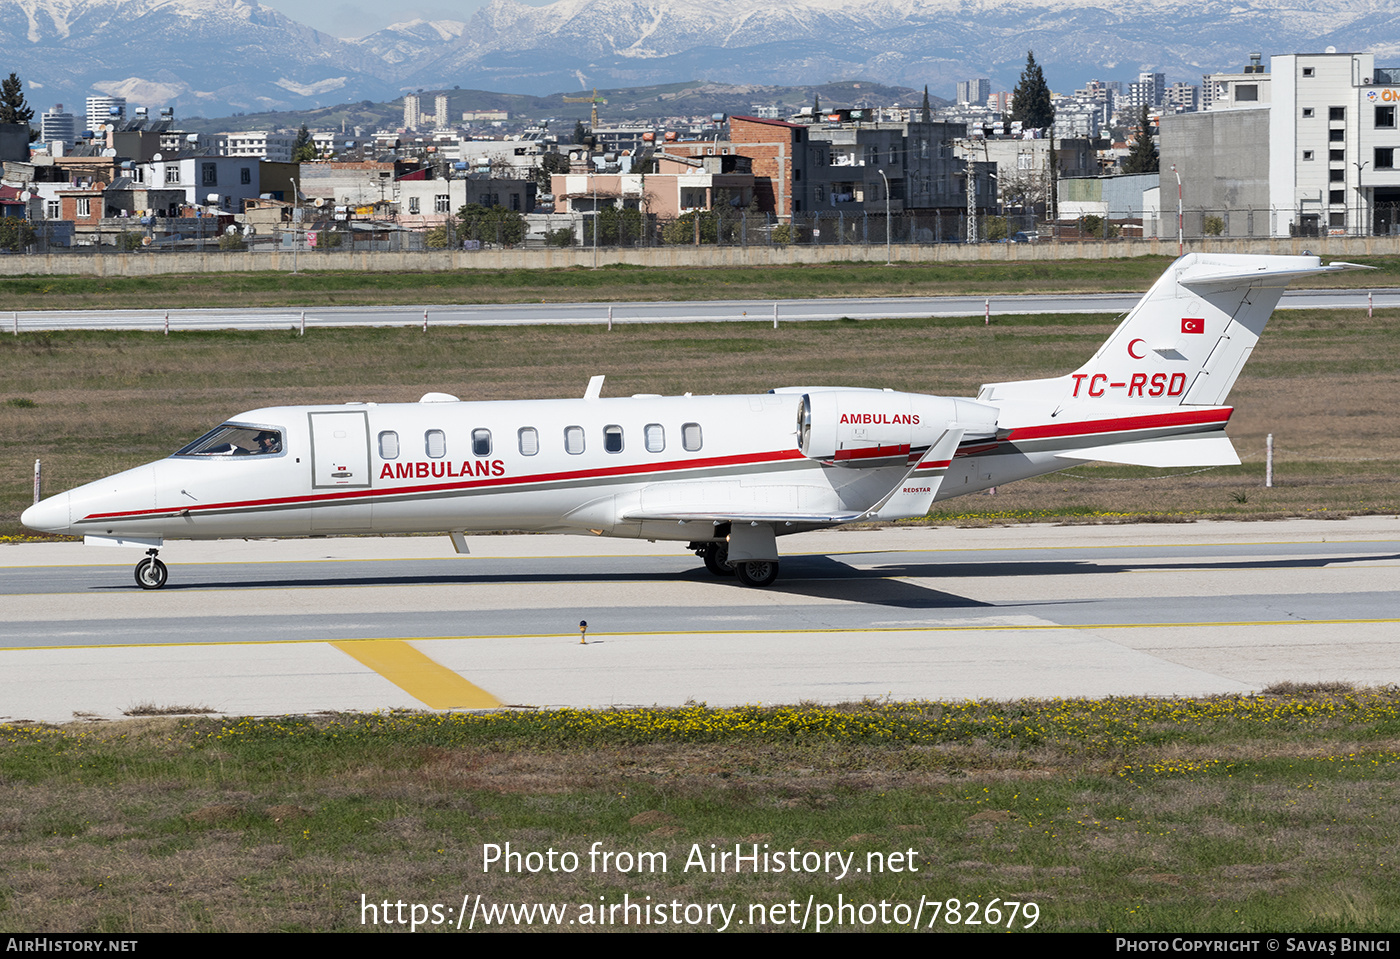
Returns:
(48,516)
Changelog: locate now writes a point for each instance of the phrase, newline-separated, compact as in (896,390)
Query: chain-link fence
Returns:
(744,229)
(632,229)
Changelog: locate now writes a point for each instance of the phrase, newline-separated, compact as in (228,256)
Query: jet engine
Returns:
(869,429)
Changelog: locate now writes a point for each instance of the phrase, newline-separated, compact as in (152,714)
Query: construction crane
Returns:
(595,100)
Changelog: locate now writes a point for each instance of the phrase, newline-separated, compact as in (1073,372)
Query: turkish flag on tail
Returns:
(1193,324)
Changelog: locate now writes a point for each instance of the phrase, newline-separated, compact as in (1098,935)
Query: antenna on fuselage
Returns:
(595,388)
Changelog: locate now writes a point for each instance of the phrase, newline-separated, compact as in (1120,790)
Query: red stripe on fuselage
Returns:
(1121,425)
(872,452)
(744,459)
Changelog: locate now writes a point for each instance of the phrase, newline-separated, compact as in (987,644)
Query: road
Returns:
(269,627)
(700,311)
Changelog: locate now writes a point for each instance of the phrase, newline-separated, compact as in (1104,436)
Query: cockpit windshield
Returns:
(232,439)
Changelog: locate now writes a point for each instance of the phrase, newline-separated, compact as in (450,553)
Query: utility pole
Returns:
(889,257)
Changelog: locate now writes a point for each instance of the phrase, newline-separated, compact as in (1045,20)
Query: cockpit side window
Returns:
(232,439)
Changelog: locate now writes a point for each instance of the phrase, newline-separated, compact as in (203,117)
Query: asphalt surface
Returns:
(270,627)
(702,311)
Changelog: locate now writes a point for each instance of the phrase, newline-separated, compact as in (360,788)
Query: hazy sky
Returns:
(355,18)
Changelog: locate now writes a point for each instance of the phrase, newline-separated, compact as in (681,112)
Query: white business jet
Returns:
(725,474)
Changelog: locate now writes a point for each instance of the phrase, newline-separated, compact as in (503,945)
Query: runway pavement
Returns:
(705,311)
(270,627)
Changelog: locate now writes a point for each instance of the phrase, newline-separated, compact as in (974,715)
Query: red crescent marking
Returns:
(1130,349)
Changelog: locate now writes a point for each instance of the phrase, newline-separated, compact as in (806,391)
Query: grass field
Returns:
(311,287)
(89,404)
(1229,814)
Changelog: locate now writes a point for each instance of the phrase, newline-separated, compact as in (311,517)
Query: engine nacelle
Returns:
(869,429)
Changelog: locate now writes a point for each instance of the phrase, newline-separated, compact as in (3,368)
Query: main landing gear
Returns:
(753,573)
(716,557)
(151,572)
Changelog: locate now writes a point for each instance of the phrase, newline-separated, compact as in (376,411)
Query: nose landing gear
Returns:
(151,572)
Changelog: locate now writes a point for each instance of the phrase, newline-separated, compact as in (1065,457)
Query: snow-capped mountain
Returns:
(220,56)
(202,56)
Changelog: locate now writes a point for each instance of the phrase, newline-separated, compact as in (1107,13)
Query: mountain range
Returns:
(216,57)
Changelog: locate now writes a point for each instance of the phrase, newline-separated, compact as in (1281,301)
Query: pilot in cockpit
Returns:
(269,441)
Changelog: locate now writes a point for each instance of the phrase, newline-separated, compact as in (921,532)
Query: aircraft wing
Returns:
(904,501)
(745,516)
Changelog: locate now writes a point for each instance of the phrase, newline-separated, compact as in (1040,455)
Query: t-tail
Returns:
(1154,393)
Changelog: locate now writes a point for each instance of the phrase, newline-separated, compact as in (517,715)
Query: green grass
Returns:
(1221,814)
(312,288)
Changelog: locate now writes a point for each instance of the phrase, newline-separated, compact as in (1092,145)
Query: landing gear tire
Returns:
(151,573)
(763,572)
(716,557)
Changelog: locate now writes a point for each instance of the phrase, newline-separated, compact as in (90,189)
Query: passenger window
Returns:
(573,439)
(481,442)
(389,445)
(655,436)
(436,443)
(690,437)
(529,441)
(612,439)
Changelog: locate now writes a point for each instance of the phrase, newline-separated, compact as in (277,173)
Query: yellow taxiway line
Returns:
(437,687)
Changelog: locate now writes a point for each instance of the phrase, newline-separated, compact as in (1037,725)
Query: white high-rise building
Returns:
(1334,143)
(412,111)
(55,125)
(441,121)
(103,110)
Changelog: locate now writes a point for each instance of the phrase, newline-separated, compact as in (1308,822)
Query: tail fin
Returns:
(1182,345)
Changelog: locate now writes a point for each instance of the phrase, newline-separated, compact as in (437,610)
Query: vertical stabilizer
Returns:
(1182,345)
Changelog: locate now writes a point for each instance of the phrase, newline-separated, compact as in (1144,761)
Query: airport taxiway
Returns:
(269,627)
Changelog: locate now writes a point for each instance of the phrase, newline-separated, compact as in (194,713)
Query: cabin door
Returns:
(340,460)
(340,450)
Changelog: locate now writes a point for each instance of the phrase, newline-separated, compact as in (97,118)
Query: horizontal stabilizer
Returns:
(1189,451)
(1263,274)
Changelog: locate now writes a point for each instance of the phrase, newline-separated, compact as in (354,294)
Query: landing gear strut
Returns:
(151,572)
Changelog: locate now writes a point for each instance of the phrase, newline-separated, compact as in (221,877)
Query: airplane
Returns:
(727,475)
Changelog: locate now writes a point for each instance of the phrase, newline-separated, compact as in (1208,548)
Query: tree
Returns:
(491,224)
(1142,155)
(580,135)
(16,234)
(303,149)
(1030,101)
(619,227)
(816,104)
(13,109)
(700,226)
(550,164)
(927,114)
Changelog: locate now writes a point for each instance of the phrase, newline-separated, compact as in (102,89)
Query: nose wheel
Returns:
(151,572)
